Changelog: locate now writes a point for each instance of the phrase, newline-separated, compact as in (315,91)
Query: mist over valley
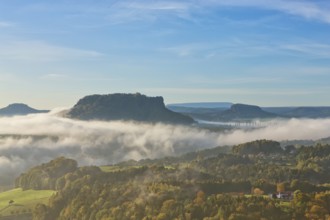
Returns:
(29,140)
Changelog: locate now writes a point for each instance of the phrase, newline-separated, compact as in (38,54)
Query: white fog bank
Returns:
(26,141)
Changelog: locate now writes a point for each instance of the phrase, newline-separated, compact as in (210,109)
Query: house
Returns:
(282,195)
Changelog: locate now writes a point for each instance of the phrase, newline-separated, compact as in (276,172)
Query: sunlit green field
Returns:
(22,201)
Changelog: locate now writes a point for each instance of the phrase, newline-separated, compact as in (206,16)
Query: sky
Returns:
(263,52)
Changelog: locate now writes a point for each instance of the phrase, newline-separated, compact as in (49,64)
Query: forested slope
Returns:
(233,185)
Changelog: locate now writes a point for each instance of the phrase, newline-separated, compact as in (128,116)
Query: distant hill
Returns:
(202,105)
(119,106)
(19,109)
(207,114)
(235,112)
(278,110)
(201,110)
(301,112)
(242,111)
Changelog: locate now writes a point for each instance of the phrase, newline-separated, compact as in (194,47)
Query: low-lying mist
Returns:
(26,141)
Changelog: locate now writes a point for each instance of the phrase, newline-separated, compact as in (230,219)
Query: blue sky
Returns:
(264,52)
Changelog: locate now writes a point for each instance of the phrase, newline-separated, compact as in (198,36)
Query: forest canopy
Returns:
(240,183)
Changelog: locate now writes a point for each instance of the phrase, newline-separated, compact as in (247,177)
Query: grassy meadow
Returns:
(18,201)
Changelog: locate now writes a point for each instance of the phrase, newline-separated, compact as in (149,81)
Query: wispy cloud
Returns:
(312,48)
(131,11)
(223,50)
(298,73)
(4,24)
(68,77)
(306,9)
(250,47)
(257,22)
(233,91)
(309,10)
(160,5)
(125,11)
(235,80)
(190,49)
(43,51)
(54,76)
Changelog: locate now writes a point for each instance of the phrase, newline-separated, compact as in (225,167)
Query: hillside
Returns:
(242,111)
(222,185)
(17,204)
(19,109)
(118,106)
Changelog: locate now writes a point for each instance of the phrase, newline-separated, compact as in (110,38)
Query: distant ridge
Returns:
(214,112)
(301,112)
(19,109)
(202,105)
(235,112)
(121,106)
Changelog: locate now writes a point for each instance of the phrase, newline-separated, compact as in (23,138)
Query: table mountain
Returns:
(19,109)
(242,111)
(120,106)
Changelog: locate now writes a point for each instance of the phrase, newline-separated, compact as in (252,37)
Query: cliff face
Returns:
(118,106)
